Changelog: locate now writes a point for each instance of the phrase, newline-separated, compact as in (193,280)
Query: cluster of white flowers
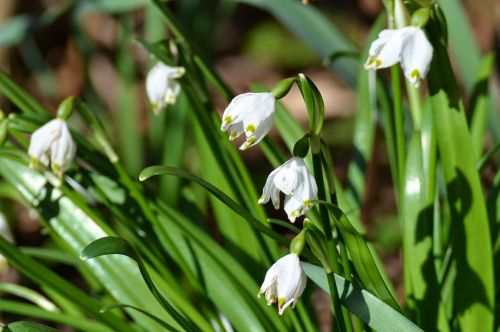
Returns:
(252,114)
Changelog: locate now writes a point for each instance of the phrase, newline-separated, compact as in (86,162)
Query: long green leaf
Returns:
(254,222)
(31,311)
(111,245)
(480,99)
(421,284)
(472,249)
(369,308)
(25,326)
(361,257)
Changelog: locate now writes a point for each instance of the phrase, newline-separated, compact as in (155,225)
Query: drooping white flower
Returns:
(6,234)
(284,282)
(294,180)
(52,144)
(407,45)
(161,85)
(251,114)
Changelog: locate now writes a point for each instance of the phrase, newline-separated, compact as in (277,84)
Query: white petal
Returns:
(376,46)
(291,282)
(293,207)
(386,49)
(416,56)
(42,139)
(287,178)
(269,189)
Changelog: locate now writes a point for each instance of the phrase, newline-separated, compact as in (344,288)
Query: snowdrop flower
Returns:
(52,144)
(407,45)
(251,114)
(162,87)
(6,234)
(294,180)
(284,282)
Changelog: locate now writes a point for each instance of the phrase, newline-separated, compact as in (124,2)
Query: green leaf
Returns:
(167,326)
(479,104)
(468,55)
(31,311)
(361,257)
(24,326)
(117,246)
(421,284)
(24,101)
(471,241)
(43,276)
(28,294)
(369,308)
(254,222)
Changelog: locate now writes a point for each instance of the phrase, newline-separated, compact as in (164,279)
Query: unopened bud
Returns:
(65,108)
(297,244)
(420,17)
(282,87)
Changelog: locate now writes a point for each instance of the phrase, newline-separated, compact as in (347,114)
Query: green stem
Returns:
(415,105)
(332,252)
(399,128)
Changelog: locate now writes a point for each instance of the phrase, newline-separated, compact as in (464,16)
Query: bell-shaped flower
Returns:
(409,46)
(284,282)
(7,235)
(52,144)
(162,87)
(251,114)
(294,180)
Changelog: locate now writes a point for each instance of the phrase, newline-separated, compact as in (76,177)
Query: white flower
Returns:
(7,234)
(294,180)
(249,113)
(52,144)
(407,45)
(284,282)
(161,85)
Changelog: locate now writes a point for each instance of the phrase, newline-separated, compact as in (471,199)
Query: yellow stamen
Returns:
(378,63)
(307,203)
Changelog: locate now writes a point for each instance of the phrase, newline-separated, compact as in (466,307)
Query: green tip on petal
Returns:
(415,74)
(250,129)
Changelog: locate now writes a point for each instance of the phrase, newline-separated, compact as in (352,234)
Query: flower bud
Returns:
(281,88)
(297,244)
(420,17)
(66,108)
